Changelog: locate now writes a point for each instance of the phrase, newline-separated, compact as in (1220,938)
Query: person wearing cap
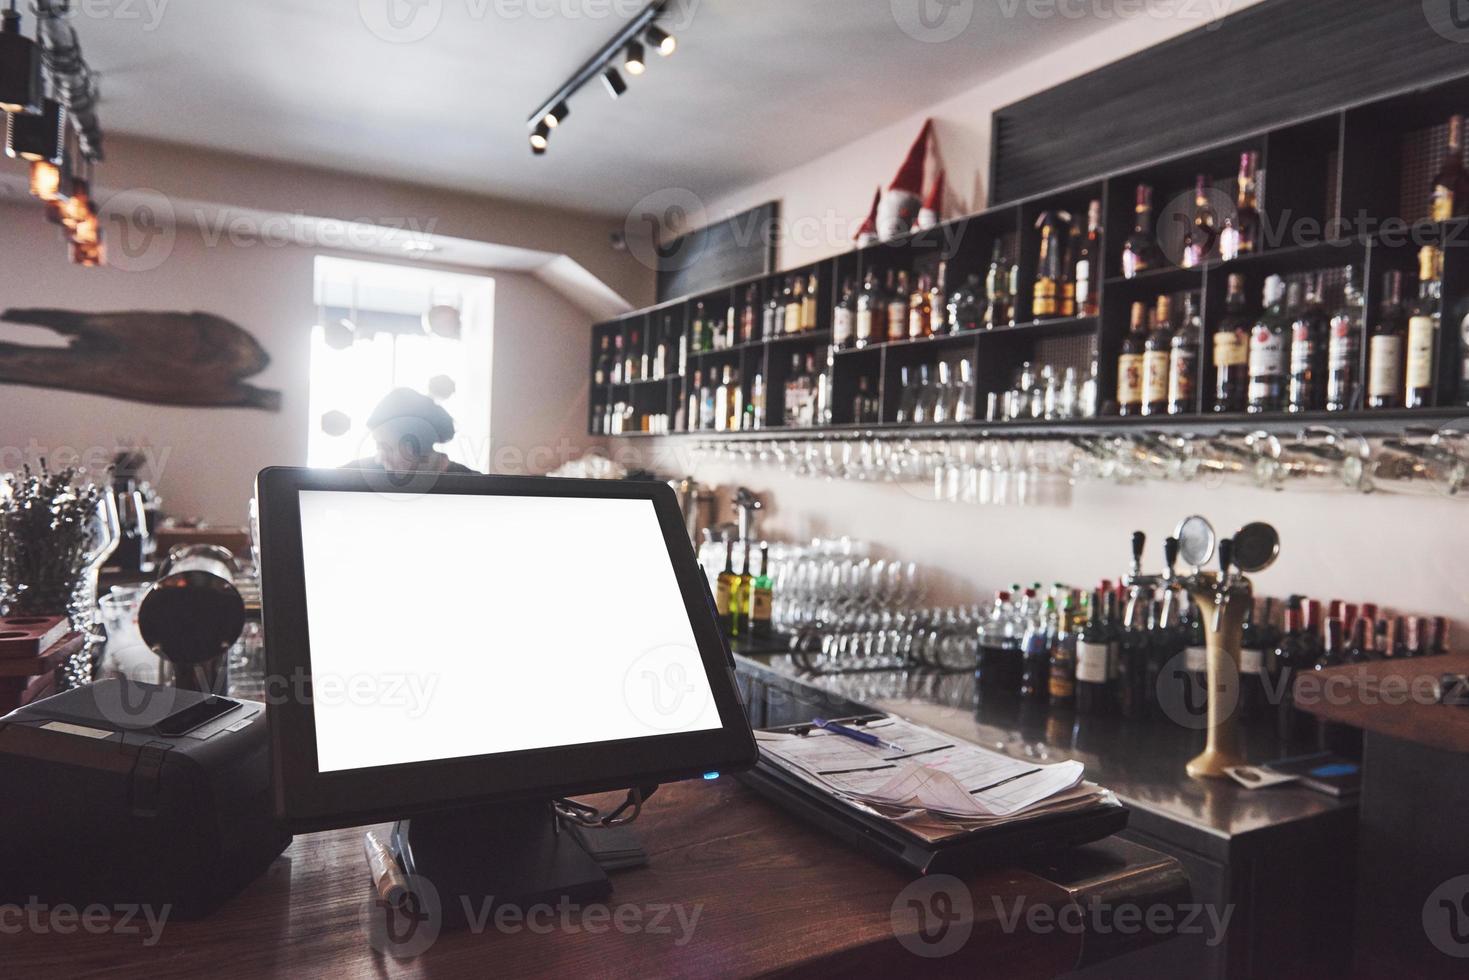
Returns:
(407,426)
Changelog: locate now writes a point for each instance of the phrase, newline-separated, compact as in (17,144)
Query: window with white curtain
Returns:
(383,326)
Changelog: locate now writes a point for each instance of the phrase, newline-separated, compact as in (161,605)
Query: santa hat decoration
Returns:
(900,203)
(932,211)
(867,234)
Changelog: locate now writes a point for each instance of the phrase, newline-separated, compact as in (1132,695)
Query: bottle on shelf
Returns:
(771,313)
(925,397)
(1203,230)
(1093,683)
(809,303)
(897,296)
(794,296)
(966,306)
(1065,280)
(1385,349)
(821,406)
(660,353)
(699,339)
(750,315)
(602,369)
(728,406)
(1240,232)
(920,313)
(1291,655)
(1044,293)
(1232,350)
(1088,263)
(864,403)
(754,417)
(760,600)
(694,402)
(1183,358)
(1130,363)
(870,320)
(633,363)
(1156,357)
(725,596)
(1309,332)
(1012,293)
(907,395)
(1061,684)
(1343,373)
(938,302)
(707,412)
(797,390)
(844,319)
(964,394)
(1035,647)
(1140,251)
(997,289)
(730,329)
(998,667)
(1451,184)
(1268,343)
(1421,361)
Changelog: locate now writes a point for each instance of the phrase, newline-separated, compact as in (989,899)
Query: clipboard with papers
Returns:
(927,800)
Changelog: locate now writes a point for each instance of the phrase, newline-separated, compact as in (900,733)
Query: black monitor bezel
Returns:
(308,800)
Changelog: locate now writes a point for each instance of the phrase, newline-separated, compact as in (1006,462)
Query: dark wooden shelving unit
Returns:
(1349,187)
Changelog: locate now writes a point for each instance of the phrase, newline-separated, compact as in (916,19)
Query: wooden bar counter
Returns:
(734,887)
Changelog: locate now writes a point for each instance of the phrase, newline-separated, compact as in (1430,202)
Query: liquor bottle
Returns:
(1130,364)
(633,367)
(1012,292)
(1092,681)
(770,315)
(1088,263)
(724,589)
(1309,331)
(863,404)
(740,597)
(1232,350)
(938,302)
(808,303)
(1241,231)
(996,289)
(795,300)
(1199,240)
(1385,349)
(1035,649)
(1062,682)
(844,319)
(602,370)
(731,326)
(1043,295)
(691,414)
(1334,648)
(920,314)
(1343,387)
(1065,281)
(1290,656)
(898,307)
(966,310)
(1268,348)
(699,340)
(822,403)
(795,392)
(1140,251)
(726,402)
(1183,358)
(755,409)
(761,599)
(1451,183)
(998,666)
(868,317)
(1156,358)
(706,403)
(749,315)
(1363,646)
(1423,331)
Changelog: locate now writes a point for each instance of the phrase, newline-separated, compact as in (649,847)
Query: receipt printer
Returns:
(122,793)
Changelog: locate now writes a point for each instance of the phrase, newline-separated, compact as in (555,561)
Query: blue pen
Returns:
(867,738)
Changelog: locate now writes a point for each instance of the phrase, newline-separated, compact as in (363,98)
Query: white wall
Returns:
(209,456)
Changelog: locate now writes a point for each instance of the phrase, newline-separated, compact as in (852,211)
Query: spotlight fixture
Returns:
(626,51)
(612,78)
(46,181)
(78,206)
(20,66)
(37,137)
(541,137)
(539,151)
(636,61)
(663,42)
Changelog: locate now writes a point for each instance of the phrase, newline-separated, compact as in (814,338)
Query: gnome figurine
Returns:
(932,211)
(898,209)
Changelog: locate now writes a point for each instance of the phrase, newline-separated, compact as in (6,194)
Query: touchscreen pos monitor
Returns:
(456,652)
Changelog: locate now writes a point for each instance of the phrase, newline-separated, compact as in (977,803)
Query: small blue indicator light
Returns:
(711,775)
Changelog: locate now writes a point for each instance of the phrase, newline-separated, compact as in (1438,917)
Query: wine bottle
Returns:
(1130,364)
(1231,350)
(1421,360)
(1343,387)
(1156,358)
(1183,358)
(1385,351)
(1268,348)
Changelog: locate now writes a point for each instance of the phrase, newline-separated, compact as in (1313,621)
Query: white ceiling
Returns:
(756,86)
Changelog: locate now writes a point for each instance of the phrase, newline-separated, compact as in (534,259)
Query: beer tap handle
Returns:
(1226,559)
(1139,541)
(1170,557)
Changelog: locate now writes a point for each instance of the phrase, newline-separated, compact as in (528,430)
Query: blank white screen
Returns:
(445,626)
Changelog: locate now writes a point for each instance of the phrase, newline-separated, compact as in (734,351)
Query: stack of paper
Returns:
(936,785)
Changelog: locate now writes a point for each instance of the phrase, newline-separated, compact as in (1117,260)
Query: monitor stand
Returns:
(480,858)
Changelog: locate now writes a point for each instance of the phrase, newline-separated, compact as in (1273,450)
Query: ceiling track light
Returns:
(41,136)
(20,66)
(636,61)
(541,138)
(625,50)
(663,42)
(612,78)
